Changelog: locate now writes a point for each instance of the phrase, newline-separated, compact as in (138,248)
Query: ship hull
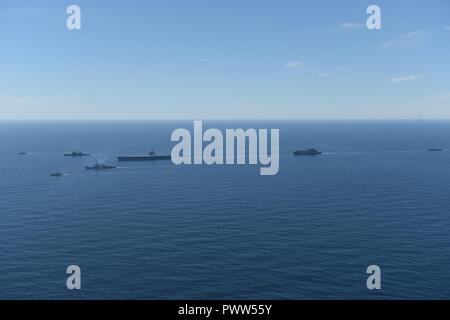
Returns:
(303,153)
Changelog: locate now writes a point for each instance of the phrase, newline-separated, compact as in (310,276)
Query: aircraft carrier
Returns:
(152,156)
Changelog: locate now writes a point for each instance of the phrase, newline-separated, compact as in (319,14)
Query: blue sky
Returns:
(231,59)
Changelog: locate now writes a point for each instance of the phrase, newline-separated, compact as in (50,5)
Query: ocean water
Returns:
(153,230)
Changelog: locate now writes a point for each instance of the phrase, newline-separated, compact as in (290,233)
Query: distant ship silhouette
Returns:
(307,152)
(76,154)
(100,166)
(152,156)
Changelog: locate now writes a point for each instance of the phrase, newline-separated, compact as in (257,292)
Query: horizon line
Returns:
(213,119)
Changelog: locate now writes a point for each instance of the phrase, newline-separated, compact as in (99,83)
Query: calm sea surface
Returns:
(159,231)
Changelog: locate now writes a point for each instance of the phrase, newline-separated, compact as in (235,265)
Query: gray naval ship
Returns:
(76,154)
(307,152)
(56,174)
(152,156)
(100,166)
